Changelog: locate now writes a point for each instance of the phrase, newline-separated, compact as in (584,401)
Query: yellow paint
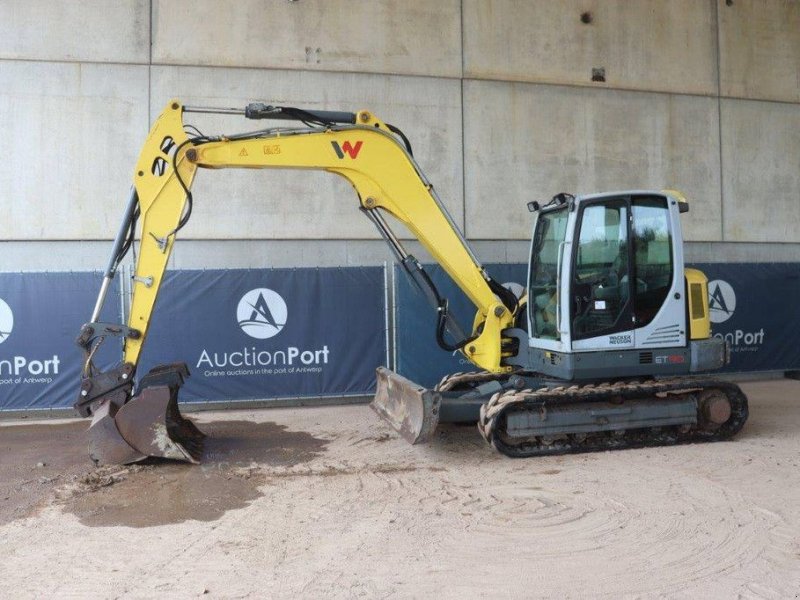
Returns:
(377,166)
(699,320)
(161,201)
(677,195)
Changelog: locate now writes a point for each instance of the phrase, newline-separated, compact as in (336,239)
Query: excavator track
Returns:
(454,380)
(721,411)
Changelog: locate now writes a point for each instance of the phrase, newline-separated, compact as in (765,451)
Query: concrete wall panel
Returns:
(72,131)
(527,141)
(89,30)
(644,45)
(238,254)
(414,37)
(738,252)
(62,255)
(273,204)
(761,171)
(75,127)
(760,49)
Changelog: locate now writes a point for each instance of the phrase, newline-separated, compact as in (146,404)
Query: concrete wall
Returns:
(531,140)
(667,45)
(496,96)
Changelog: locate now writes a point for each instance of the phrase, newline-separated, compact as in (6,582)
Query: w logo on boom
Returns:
(347,148)
(261,313)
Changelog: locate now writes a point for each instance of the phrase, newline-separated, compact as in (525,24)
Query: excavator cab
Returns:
(614,324)
(609,290)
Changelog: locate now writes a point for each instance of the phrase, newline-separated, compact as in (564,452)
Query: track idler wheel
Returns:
(149,424)
(715,408)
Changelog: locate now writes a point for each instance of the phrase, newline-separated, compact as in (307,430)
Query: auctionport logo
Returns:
(721,301)
(6,321)
(262,313)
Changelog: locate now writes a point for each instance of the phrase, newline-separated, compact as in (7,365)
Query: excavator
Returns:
(607,347)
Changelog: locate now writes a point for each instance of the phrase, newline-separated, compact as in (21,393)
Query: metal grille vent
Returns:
(645,358)
(664,335)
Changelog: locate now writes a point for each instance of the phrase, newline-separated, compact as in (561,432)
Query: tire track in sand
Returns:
(671,532)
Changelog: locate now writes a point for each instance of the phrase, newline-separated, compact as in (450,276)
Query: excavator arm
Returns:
(357,146)
(366,153)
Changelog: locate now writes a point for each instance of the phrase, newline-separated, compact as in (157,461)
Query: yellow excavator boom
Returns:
(367,152)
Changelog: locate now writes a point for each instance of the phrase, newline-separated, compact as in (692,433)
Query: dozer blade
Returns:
(410,409)
(149,424)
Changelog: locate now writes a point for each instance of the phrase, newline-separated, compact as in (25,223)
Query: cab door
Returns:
(549,249)
(601,305)
(658,288)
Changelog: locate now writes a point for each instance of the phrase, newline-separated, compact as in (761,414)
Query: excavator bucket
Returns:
(149,424)
(410,409)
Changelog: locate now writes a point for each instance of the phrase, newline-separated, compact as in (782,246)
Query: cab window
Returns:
(551,228)
(652,248)
(600,285)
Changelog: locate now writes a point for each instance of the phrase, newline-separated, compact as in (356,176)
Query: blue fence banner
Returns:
(417,355)
(40,316)
(271,333)
(301,333)
(755,307)
(752,305)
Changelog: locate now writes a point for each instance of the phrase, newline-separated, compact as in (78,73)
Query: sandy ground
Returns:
(326,502)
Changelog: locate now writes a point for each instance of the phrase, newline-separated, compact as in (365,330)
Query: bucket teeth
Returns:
(185,434)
